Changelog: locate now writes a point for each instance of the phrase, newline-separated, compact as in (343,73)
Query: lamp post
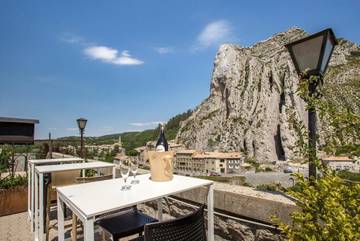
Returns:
(81,124)
(311,57)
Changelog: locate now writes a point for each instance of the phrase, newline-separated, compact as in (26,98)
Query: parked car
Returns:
(214,174)
(288,170)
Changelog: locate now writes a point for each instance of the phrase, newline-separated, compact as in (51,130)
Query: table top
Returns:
(92,199)
(72,166)
(57,160)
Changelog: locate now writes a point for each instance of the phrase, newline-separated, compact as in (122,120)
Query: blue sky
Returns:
(126,65)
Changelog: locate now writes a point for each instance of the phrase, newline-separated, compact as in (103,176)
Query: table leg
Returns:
(60,215)
(210,212)
(35,210)
(32,194)
(41,204)
(88,230)
(29,191)
(114,172)
(159,207)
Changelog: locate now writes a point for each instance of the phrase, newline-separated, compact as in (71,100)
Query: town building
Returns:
(340,163)
(197,163)
(107,147)
(207,163)
(183,162)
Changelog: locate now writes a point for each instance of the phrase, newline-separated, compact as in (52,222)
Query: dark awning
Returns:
(17,131)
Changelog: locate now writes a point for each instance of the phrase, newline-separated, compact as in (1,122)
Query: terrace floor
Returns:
(16,227)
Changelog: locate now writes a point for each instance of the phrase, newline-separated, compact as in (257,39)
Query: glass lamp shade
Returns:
(311,55)
(81,123)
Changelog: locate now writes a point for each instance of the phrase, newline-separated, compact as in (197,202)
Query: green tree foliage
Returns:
(5,156)
(330,209)
(131,153)
(12,182)
(329,205)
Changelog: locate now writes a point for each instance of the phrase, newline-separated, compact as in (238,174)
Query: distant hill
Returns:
(134,139)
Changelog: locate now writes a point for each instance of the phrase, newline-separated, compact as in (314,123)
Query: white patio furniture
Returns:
(39,187)
(91,200)
(31,172)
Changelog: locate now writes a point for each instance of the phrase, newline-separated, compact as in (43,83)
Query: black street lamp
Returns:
(81,124)
(311,56)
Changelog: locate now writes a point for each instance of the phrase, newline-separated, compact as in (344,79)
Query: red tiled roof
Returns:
(337,158)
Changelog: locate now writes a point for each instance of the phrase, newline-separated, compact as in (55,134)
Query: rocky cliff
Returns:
(251,89)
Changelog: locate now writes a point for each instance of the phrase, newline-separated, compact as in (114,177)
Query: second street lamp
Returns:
(311,56)
(81,124)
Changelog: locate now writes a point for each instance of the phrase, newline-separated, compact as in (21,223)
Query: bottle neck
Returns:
(162,130)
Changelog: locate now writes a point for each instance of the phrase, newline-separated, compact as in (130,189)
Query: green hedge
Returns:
(11,182)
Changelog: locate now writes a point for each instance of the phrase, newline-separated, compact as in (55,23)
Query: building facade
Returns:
(341,163)
(196,163)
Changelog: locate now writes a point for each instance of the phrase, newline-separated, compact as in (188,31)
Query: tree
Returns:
(329,205)
(132,153)
(5,155)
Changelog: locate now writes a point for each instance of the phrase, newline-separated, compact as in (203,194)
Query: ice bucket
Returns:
(161,165)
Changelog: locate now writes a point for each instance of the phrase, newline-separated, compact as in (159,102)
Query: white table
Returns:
(39,187)
(90,200)
(31,182)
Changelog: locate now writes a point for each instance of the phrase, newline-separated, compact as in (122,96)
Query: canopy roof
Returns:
(17,131)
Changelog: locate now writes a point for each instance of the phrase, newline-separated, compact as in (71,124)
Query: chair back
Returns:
(59,179)
(190,227)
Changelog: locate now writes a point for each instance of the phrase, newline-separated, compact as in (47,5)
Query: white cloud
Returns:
(142,124)
(215,33)
(110,55)
(101,52)
(164,50)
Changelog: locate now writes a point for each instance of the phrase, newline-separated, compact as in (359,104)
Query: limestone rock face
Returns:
(251,89)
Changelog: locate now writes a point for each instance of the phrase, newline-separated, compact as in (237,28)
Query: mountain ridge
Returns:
(251,90)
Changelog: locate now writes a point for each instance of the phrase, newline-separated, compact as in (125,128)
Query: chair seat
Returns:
(126,224)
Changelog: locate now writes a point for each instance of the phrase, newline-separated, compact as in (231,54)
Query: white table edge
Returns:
(55,160)
(208,183)
(106,165)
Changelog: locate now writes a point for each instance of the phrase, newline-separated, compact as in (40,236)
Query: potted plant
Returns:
(13,188)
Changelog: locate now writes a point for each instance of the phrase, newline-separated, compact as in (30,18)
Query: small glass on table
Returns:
(134,169)
(125,170)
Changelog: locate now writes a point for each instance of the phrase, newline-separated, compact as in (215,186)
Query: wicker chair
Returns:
(57,179)
(187,228)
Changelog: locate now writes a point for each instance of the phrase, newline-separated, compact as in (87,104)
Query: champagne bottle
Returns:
(161,144)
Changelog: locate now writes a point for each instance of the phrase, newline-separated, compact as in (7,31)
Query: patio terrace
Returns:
(241,214)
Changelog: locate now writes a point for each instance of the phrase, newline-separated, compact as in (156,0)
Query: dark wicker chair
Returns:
(128,222)
(187,228)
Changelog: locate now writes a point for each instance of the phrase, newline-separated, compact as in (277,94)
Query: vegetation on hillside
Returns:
(130,140)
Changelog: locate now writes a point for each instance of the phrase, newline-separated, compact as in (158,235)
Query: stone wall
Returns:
(241,213)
